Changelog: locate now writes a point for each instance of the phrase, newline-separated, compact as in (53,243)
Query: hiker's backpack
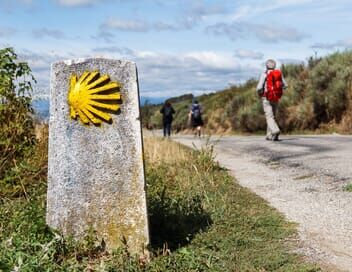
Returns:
(274,85)
(196,111)
(168,112)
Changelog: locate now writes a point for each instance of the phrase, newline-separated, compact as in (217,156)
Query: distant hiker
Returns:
(167,111)
(270,87)
(196,118)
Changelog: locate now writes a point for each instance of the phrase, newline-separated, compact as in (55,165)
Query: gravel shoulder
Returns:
(303,177)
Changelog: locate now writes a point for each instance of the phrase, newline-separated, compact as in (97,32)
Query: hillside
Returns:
(318,99)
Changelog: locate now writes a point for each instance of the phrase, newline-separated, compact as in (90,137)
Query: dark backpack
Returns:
(274,85)
(168,112)
(196,111)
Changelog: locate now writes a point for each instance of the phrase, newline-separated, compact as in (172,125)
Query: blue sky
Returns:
(179,46)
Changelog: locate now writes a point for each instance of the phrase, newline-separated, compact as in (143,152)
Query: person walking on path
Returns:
(167,111)
(270,88)
(195,115)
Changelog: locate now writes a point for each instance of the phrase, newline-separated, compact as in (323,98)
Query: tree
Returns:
(16,120)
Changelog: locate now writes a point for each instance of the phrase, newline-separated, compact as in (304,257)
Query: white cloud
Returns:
(289,61)
(161,26)
(199,10)
(113,49)
(253,10)
(139,26)
(165,75)
(103,35)
(7,31)
(326,46)
(248,54)
(265,33)
(211,59)
(126,25)
(46,32)
(346,43)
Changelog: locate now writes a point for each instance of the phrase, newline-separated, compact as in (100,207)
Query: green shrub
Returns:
(292,70)
(16,122)
(348,187)
(329,82)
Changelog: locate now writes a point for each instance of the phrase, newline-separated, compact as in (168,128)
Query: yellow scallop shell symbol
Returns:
(92,96)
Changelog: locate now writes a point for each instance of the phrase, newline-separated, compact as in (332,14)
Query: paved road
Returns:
(303,177)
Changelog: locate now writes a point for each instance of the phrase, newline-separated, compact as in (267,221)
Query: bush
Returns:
(327,87)
(16,122)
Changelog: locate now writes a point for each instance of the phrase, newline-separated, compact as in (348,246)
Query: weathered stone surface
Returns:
(96,174)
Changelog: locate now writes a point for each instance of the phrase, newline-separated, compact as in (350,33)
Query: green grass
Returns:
(348,188)
(200,220)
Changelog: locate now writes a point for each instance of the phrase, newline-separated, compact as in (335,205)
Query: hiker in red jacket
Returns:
(269,88)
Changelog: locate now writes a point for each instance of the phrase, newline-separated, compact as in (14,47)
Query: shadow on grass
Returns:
(175,221)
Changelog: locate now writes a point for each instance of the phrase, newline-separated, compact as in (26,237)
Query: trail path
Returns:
(303,177)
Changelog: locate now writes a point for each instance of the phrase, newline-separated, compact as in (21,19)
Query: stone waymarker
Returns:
(96,172)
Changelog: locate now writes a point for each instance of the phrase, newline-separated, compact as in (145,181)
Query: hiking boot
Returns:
(269,138)
(276,137)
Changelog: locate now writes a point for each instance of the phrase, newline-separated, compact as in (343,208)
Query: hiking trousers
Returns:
(167,129)
(270,109)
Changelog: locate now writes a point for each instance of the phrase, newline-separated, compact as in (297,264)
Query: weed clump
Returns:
(16,123)
(348,187)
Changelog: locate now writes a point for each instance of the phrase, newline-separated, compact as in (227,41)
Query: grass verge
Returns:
(200,220)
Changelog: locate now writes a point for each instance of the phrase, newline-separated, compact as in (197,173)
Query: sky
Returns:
(179,46)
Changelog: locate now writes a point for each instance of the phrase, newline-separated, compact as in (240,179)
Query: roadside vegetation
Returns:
(16,122)
(318,99)
(348,187)
(200,218)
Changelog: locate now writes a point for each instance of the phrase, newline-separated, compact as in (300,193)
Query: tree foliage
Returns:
(16,120)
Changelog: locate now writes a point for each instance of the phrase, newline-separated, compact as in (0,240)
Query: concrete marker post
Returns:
(95,165)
